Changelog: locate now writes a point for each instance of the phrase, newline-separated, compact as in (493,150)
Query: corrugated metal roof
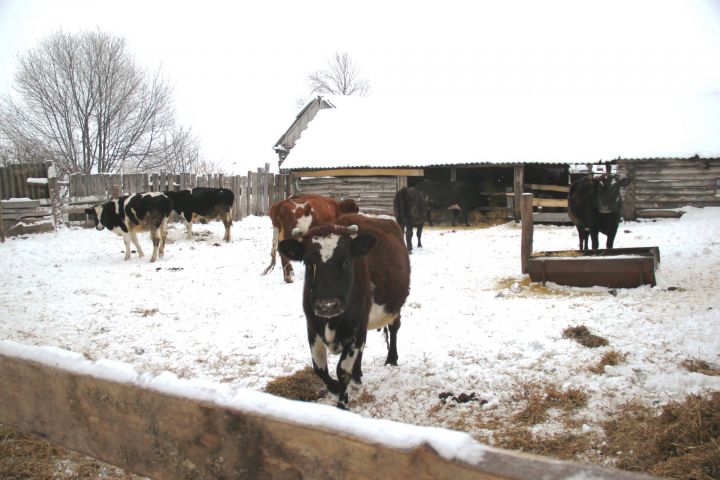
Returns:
(406,132)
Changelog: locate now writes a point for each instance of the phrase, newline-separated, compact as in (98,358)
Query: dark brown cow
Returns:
(357,277)
(595,206)
(300,213)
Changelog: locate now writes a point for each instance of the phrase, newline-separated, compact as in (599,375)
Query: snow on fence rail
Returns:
(167,428)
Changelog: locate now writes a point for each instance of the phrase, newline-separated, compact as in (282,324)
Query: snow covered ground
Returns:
(204,313)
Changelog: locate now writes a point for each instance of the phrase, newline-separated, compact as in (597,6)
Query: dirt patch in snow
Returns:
(582,335)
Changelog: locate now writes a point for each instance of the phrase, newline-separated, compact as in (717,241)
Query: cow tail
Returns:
(273,252)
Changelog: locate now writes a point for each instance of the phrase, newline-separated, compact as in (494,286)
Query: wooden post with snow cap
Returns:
(53,190)
(526,237)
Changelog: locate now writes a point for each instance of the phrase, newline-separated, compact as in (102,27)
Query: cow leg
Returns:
(464,212)
(134,238)
(349,357)
(188,225)
(357,369)
(429,216)
(408,237)
(155,234)
(227,221)
(611,237)
(319,359)
(163,236)
(594,237)
(288,273)
(418,233)
(126,239)
(583,237)
(392,357)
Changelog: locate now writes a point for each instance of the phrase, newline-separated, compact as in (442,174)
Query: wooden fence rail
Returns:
(254,192)
(166,436)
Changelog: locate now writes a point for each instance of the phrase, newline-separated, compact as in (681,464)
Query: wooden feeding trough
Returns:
(614,267)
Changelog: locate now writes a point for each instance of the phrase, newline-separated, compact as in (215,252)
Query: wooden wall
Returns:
(664,183)
(13,181)
(370,192)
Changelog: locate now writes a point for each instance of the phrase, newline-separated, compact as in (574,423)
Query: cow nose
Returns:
(327,307)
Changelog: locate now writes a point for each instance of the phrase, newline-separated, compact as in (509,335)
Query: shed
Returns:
(367,148)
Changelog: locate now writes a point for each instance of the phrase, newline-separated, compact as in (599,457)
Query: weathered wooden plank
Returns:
(660,213)
(550,202)
(549,188)
(168,437)
(10,204)
(363,172)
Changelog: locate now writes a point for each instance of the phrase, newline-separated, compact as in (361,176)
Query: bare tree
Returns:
(181,151)
(341,78)
(86,101)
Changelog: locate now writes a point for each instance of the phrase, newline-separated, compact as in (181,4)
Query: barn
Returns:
(369,147)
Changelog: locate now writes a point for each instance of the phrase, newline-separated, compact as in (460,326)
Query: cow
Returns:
(357,277)
(594,206)
(203,204)
(461,197)
(410,206)
(302,212)
(128,215)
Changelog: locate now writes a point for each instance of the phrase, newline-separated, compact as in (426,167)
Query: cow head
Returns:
(328,253)
(348,206)
(95,215)
(607,188)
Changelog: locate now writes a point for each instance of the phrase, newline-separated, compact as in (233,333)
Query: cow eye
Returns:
(345,264)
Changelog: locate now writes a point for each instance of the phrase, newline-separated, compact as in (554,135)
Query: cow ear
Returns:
(362,244)
(292,249)
(624,182)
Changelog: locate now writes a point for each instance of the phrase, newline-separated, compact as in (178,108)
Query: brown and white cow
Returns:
(299,213)
(128,215)
(357,277)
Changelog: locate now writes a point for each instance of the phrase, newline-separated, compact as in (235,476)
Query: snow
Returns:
(421,132)
(203,322)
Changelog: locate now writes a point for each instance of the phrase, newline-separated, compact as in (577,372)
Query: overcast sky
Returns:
(238,67)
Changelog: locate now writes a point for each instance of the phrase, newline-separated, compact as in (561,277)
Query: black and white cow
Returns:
(128,215)
(410,206)
(595,206)
(203,204)
(357,277)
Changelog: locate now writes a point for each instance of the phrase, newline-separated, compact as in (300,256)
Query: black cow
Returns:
(204,204)
(357,277)
(458,196)
(410,207)
(130,214)
(594,206)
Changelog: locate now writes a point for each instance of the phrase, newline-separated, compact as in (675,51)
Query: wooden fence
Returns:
(165,436)
(254,193)
(14,181)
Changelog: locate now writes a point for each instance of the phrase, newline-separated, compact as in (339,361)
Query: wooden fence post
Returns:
(526,239)
(2,225)
(519,174)
(54,195)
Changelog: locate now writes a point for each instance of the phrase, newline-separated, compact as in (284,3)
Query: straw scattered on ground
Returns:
(701,366)
(302,385)
(611,358)
(584,337)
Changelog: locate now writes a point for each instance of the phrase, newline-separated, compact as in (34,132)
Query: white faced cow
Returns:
(357,277)
(128,215)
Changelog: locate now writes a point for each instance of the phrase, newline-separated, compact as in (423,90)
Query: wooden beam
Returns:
(363,172)
(168,437)
(549,188)
(550,202)
(519,175)
(526,235)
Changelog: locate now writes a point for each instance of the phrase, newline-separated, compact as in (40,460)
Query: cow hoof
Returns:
(391,362)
